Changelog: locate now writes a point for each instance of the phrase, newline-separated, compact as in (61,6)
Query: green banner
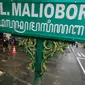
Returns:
(62,21)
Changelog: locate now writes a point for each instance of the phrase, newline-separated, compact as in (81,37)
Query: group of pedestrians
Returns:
(75,44)
(8,43)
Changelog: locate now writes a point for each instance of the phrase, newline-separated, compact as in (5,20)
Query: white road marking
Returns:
(83,55)
(68,47)
(80,65)
(81,58)
(79,54)
(72,49)
(79,61)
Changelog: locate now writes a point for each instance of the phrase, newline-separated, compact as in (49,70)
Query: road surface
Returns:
(68,69)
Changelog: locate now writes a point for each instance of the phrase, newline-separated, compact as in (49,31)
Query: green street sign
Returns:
(60,1)
(64,21)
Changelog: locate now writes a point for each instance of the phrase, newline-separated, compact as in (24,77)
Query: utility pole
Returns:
(38,61)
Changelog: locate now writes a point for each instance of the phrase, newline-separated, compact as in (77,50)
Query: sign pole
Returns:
(38,61)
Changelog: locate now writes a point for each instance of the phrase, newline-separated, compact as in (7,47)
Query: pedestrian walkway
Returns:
(17,67)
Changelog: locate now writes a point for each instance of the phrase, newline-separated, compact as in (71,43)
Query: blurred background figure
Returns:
(9,44)
(76,44)
(1,39)
(5,44)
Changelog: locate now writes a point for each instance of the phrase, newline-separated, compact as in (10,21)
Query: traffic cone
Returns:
(14,51)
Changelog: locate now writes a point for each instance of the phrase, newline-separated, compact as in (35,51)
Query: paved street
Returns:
(63,69)
(68,69)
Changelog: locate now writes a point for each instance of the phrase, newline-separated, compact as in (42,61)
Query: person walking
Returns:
(76,44)
(4,44)
(9,45)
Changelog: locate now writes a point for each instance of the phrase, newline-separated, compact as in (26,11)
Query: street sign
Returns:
(64,21)
(60,1)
